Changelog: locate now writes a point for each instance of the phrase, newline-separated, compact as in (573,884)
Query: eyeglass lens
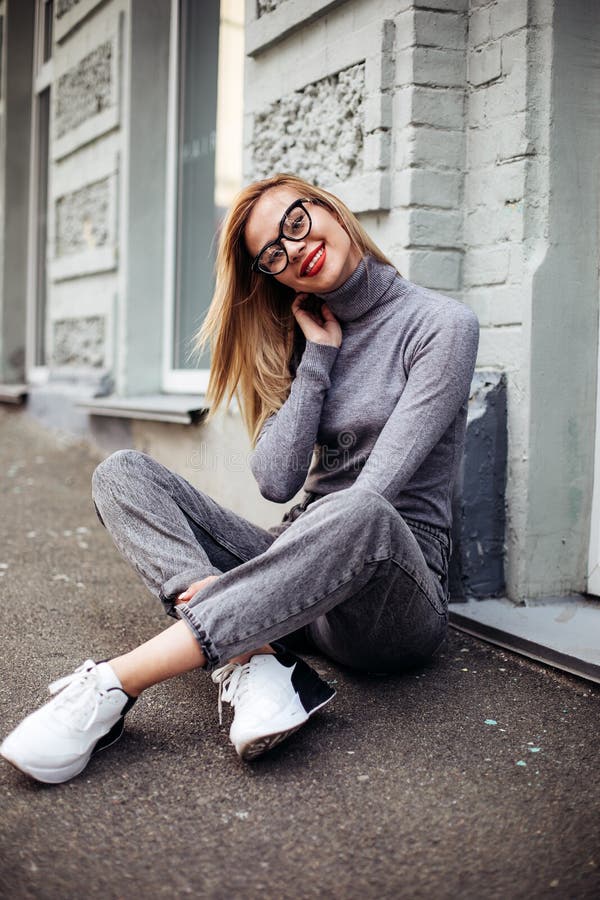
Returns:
(295,226)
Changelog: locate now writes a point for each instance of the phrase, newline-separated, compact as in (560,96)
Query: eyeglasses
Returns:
(295,225)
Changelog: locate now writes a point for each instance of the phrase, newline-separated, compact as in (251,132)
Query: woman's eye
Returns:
(298,223)
(275,254)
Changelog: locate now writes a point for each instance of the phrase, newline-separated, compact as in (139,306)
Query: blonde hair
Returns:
(252,332)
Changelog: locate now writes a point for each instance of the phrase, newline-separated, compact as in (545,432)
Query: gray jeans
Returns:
(343,574)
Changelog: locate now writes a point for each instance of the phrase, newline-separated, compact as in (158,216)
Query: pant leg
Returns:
(171,533)
(349,564)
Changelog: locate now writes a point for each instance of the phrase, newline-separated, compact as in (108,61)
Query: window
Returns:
(40,144)
(204,168)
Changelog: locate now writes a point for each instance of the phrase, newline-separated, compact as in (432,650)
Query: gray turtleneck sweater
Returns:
(387,410)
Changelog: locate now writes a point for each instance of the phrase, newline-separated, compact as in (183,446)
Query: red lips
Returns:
(310,258)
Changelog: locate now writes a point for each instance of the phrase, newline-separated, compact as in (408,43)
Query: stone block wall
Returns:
(87,151)
(454,121)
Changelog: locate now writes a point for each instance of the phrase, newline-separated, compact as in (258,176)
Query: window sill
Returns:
(14,394)
(181,409)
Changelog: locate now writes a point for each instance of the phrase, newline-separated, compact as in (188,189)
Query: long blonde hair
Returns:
(252,332)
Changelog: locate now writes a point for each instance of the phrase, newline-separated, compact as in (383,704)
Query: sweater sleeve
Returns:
(438,383)
(285,445)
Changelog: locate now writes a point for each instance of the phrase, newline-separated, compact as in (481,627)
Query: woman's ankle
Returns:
(246,657)
(127,682)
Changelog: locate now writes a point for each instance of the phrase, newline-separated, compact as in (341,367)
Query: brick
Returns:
(507,16)
(480,27)
(423,187)
(377,111)
(442,108)
(435,269)
(376,152)
(435,29)
(495,184)
(499,304)
(486,265)
(485,64)
(497,100)
(435,228)
(405,29)
(501,347)
(514,52)
(448,5)
(403,106)
(439,68)
(424,146)
(503,140)
(494,224)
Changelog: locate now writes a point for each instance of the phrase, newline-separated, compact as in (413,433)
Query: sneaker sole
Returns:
(257,746)
(60,775)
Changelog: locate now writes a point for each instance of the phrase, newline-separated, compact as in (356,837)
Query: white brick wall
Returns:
(468,169)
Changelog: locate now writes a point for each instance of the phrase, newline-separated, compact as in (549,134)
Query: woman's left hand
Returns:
(320,329)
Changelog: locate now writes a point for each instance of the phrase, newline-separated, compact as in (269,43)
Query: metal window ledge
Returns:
(559,631)
(181,409)
(13,393)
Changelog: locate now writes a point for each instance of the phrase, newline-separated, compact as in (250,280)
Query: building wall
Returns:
(455,156)
(460,131)
(86,212)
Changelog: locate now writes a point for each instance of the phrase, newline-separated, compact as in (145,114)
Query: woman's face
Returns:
(321,261)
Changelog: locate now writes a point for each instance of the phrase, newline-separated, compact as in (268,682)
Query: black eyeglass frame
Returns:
(292,206)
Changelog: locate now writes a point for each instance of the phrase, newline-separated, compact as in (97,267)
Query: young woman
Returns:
(353,383)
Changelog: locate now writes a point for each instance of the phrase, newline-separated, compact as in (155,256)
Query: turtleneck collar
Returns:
(367,288)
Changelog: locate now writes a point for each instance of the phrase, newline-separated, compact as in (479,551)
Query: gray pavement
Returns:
(399,789)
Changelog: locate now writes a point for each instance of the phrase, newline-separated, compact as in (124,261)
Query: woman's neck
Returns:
(366,288)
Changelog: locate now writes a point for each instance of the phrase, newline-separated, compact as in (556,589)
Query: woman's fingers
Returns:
(194,588)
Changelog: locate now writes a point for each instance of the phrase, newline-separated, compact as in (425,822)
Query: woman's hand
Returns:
(321,328)
(193,589)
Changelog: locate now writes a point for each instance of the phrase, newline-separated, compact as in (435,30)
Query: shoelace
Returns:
(232,684)
(81,692)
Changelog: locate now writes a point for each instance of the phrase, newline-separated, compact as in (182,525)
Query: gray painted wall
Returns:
(564,318)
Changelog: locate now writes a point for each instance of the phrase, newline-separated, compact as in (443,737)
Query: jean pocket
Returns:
(436,555)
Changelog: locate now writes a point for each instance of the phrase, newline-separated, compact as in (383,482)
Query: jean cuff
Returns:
(172,588)
(213,660)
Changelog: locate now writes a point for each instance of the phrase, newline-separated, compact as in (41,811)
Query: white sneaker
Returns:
(273,695)
(55,742)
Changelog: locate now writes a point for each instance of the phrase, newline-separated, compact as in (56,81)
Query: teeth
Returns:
(314,260)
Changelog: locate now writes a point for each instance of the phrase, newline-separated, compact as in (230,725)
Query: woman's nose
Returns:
(294,249)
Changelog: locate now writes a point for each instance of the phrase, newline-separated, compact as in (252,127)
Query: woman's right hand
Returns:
(193,589)
(321,329)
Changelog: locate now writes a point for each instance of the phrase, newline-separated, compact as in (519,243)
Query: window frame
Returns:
(41,80)
(181,381)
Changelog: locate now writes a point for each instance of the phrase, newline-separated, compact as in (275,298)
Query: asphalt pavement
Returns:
(473,777)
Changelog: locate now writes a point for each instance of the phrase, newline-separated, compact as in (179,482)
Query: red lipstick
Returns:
(316,258)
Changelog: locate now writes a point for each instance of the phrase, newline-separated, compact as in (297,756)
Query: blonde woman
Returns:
(353,384)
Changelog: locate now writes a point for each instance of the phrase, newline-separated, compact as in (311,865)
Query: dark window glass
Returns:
(1,50)
(48,24)
(43,124)
(196,221)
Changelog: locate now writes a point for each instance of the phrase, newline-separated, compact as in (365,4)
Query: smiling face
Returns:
(321,261)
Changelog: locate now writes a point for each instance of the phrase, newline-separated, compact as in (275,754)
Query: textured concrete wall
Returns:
(85,90)
(78,342)
(82,218)
(319,130)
